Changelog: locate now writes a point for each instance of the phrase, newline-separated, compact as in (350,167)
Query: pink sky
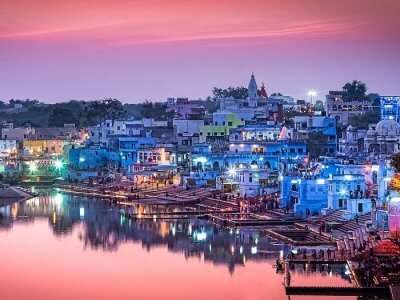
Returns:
(153,49)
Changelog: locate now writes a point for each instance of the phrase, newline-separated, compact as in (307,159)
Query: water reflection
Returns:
(105,228)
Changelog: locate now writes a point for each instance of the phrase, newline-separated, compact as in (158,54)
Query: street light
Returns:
(58,164)
(312,94)
(32,167)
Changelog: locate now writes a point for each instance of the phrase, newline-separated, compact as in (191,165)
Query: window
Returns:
(360,207)
(250,177)
(223,123)
(230,123)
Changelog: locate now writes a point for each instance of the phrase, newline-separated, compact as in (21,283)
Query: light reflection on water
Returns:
(234,263)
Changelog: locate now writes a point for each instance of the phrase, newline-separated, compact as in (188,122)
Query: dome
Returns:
(388,128)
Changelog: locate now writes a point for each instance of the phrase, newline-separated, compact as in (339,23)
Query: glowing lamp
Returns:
(32,167)
(58,164)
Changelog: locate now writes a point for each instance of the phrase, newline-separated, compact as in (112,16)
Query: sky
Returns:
(134,50)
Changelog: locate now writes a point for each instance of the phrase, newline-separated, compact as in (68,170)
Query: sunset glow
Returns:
(135,50)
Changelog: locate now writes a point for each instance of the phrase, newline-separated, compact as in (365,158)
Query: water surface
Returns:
(62,247)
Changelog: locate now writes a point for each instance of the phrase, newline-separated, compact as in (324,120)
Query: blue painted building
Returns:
(304,195)
(90,162)
(128,148)
(390,108)
(304,125)
(263,154)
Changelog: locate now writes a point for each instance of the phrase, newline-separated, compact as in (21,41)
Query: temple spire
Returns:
(263,91)
(252,89)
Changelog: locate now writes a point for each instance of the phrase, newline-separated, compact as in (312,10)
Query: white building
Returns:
(191,127)
(349,193)
(7,147)
(18,134)
(253,181)
(384,139)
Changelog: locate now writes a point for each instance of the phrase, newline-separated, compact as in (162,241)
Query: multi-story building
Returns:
(342,110)
(305,195)
(8,148)
(352,142)
(187,132)
(252,181)
(390,108)
(383,139)
(184,108)
(349,193)
(43,147)
(222,123)
(18,134)
(304,125)
(258,132)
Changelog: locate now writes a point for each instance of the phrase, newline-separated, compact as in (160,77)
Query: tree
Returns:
(395,162)
(315,144)
(234,92)
(100,110)
(363,120)
(60,116)
(354,91)
(155,110)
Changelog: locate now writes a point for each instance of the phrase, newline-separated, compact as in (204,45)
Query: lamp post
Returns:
(312,94)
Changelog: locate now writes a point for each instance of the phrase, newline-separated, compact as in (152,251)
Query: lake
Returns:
(58,246)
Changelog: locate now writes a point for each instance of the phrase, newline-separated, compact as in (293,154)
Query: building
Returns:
(101,133)
(187,132)
(352,143)
(390,108)
(157,156)
(383,139)
(8,148)
(184,108)
(43,147)
(222,123)
(257,106)
(304,125)
(257,132)
(18,134)
(305,195)
(342,110)
(349,193)
(91,162)
(252,181)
